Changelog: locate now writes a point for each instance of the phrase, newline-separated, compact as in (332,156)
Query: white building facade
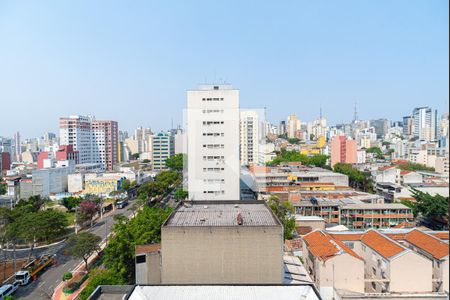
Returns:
(249,137)
(213,143)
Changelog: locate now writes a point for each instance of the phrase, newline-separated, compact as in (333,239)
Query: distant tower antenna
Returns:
(355,114)
(320,114)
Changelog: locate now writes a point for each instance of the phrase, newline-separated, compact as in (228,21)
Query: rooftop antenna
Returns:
(355,114)
(320,114)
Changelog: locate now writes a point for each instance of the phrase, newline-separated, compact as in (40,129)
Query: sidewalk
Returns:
(58,293)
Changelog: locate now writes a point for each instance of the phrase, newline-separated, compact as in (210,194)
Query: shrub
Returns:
(67,276)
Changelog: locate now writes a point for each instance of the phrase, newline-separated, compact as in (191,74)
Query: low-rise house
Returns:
(331,264)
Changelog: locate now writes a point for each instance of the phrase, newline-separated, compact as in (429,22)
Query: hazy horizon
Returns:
(133,62)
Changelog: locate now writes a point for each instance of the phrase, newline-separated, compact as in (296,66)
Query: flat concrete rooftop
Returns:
(222,213)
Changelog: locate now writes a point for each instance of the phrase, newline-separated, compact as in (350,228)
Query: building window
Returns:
(140,259)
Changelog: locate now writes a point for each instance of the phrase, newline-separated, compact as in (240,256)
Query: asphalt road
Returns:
(43,287)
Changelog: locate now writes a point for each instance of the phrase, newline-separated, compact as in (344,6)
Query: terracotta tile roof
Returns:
(404,224)
(302,230)
(141,249)
(324,247)
(348,236)
(432,245)
(293,244)
(386,168)
(405,172)
(441,235)
(381,244)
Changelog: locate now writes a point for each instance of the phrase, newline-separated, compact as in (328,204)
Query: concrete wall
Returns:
(411,272)
(149,272)
(445,275)
(206,255)
(348,273)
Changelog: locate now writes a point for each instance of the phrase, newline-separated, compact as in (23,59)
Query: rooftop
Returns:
(381,244)
(324,246)
(141,249)
(225,292)
(428,243)
(222,213)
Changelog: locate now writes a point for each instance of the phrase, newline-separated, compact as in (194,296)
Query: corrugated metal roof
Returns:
(222,215)
(223,292)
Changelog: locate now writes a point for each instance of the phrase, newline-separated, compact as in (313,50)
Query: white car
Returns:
(8,289)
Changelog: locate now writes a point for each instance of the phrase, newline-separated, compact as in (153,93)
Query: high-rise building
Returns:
(343,150)
(95,140)
(249,137)
(293,127)
(17,147)
(408,126)
(381,127)
(163,148)
(180,139)
(425,125)
(282,128)
(213,143)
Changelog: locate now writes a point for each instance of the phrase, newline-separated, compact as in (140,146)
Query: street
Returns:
(43,287)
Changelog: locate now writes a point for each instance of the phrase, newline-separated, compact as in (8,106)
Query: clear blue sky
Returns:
(132,61)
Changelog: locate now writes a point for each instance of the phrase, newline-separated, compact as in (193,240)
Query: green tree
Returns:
(135,156)
(83,245)
(34,203)
(180,194)
(431,207)
(3,187)
(377,151)
(357,179)
(71,202)
(126,184)
(100,277)
(295,156)
(410,166)
(293,140)
(144,228)
(175,162)
(284,210)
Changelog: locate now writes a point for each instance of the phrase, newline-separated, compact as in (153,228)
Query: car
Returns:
(8,289)
(121,204)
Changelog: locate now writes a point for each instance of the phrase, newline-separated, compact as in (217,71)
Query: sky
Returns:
(132,61)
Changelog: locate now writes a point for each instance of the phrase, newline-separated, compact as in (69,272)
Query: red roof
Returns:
(385,168)
(384,246)
(430,244)
(324,247)
(405,172)
(441,235)
(141,249)
(293,244)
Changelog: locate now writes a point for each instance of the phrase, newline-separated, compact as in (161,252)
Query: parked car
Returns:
(8,289)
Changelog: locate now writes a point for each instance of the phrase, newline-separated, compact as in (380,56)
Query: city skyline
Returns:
(57,66)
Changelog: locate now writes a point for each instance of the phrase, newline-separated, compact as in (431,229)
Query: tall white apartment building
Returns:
(163,148)
(77,131)
(294,126)
(213,143)
(96,141)
(249,137)
(425,126)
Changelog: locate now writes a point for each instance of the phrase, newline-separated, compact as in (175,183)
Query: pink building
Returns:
(107,145)
(66,152)
(343,150)
(96,141)
(40,159)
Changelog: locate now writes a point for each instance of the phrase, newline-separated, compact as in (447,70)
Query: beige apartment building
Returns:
(215,242)
(393,263)
(331,263)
